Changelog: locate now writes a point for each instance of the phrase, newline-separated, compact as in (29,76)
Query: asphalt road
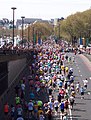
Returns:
(82,107)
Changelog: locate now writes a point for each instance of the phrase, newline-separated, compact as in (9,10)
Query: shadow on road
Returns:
(79,110)
(87,98)
(78,97)
(80,103)
(82,119)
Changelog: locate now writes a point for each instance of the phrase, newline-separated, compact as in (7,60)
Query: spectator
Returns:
(6,110)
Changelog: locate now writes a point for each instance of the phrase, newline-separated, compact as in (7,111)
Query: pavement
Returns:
(82,107)
(88,56)
(86,59)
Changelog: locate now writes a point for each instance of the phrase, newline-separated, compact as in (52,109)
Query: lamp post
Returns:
(59,31)
(28,33)
(59,19)
(13,8)
(22,27)
(33,37)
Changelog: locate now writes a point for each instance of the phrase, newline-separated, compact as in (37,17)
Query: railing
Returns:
(10,52)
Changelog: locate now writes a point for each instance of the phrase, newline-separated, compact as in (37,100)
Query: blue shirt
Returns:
(62,106)
(81,90)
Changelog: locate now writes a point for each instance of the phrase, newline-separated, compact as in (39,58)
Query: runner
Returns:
(41,116)
(49,114)
(59,98)
(82,92)
(12,112)
(20,118)
(62,107)
(71,99)
(19,110)
(30,108)
(36,110)
(17,100)
(6,110)
(85,82)
(50,104)
(78,87)
(56,103)
(40,110)
(66,105)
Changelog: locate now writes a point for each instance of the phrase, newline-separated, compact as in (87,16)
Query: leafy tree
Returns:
(76,25)
(41,29)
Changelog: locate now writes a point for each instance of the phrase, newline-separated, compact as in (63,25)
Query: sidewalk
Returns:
(87,60)
(88,56)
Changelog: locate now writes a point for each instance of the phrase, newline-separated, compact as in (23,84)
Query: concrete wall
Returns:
(3,77)
(15,67)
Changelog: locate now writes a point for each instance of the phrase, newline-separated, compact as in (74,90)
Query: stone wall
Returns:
(15,67)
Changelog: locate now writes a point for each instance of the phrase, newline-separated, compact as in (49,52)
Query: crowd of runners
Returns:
(48,90)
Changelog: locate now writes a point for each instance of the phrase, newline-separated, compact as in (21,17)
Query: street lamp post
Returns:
(59,19)
(33,37)
(58,28)
(13,8)
(22,27)
(28,33)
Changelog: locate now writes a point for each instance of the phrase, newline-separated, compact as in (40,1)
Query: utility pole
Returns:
(13,8)
(22,28)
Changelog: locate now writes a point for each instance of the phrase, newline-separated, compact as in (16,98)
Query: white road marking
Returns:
(61,116)
(80,75)
(88,93)
(90,78)
(70,113)
(79,71)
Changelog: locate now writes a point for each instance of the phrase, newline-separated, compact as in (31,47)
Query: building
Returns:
(26,21)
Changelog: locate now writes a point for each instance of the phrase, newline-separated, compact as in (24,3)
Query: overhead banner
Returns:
(34,39)
(81,43)
(39,40)
(87,42)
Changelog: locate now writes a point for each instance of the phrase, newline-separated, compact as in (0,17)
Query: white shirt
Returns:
(41,117)
(56,103)
(20,118)
(71,98)
(50,105)
(71,69)
(59,76)
(62,77)
(23,87)
(30,106)
(72,77)
(77,85)
(34,56)
(19,111)
(85,82)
